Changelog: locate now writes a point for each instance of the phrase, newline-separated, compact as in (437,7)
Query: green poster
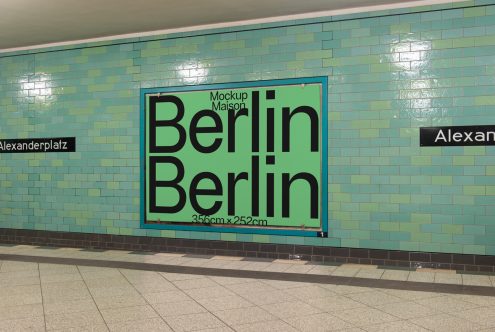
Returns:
(245,155)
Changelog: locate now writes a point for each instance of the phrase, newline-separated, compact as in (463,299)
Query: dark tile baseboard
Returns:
(279,276)
(397,258)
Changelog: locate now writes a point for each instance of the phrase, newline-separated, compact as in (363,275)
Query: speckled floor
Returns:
(38,296)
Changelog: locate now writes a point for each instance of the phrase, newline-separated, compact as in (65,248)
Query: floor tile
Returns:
(180,276)
(198,262)
(395,275)
(277,267)
(322,269)
(272,326)
(153,287)
(476,280)
(88,273)
(257,266)
(97,269)
(31,324)
(476,299)
(335,303)
(48,269)
(249,287)
(63,277)
(281,284)
(13,266)
(309,292)
(370,273)
(318,323)
(194,322)
(118,315)
(224,281)
(447,304)
(268,297)
(64,285)
(70,306)
(65,294)
(209,292)
(484,316)
(12,291)
(407,309)
(215,264)
(66,321)
(345,271)
(374,298)
(345,289)
(217,329)
(244,316)
(401,326)
(299,269)
(364,316)
(22,299)
(227,258)
(125,300)
(447,278)
(359,266)
(411,295)
(166,297)
(114,291)
(291,309)
(178,308)
(18,281)
(421,276)
(19,274)
(146,325)
(234,265)
(194,283)
(21,311)
(87,328)
(446,323)
(107,282)
(224,303)
(140,277)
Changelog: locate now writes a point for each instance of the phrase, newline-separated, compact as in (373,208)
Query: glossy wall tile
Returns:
(389,74)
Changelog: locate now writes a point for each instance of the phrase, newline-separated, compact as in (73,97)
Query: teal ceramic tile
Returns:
(390,72)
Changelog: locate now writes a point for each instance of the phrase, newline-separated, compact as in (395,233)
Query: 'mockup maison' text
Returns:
(228,100)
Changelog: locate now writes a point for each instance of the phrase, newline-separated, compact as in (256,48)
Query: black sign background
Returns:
(29,145)
(427,135)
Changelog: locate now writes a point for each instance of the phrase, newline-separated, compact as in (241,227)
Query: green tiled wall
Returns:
(389,73)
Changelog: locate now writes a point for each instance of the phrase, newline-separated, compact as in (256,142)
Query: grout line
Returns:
(42,298)
(144,298)
(322,279)
(193,299)
(92,298)
(254,305)
(382,311)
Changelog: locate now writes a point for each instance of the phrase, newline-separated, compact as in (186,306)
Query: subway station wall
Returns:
(389,73)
